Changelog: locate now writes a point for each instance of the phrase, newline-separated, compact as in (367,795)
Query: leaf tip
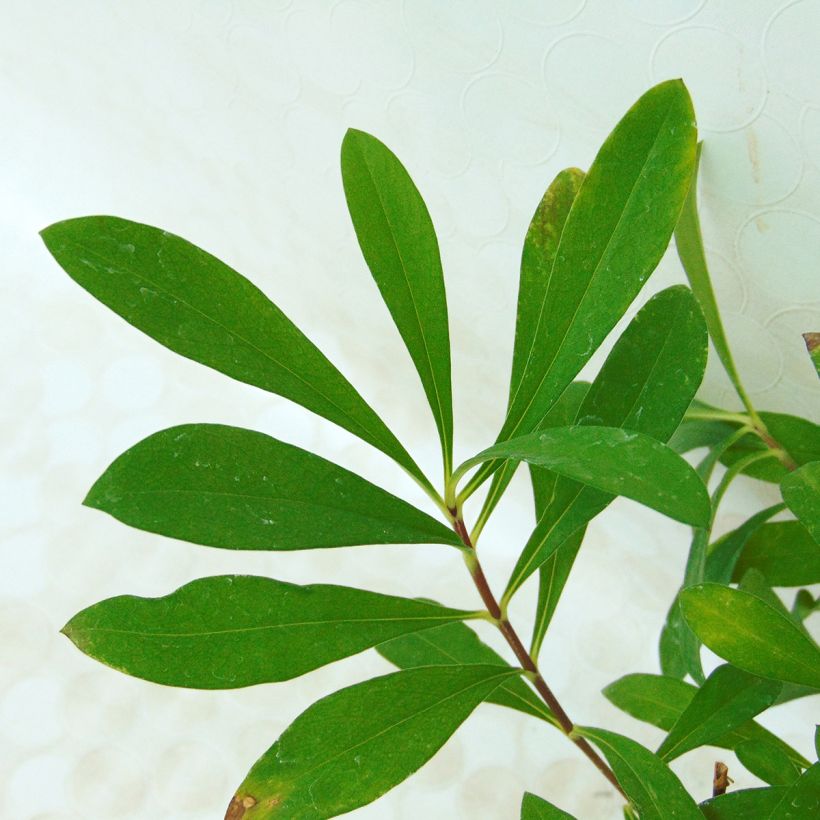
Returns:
(812,341)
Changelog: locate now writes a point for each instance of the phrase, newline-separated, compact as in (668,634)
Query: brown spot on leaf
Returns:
(812,341)
(238,807)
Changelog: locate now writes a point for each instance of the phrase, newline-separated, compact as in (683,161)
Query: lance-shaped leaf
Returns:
(651,786)
(620,462)
(801,492)
(399,243)
(768,762)
(812,341)
(197,306)
(354,745)
(727,699)
(616,232)
(238,630)
(536,808)
(540,245)
(238,489)
(751,633)
(645,385)
(784,552)
(537,258)
(689,244)
(661,700)
(746,804)
(800,800)
(457,643)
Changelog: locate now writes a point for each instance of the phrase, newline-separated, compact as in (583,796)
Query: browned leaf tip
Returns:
(722,780)
(812,341)
(239,805)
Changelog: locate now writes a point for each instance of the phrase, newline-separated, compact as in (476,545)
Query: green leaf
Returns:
(689,245)
(804,604)
(646,383)
(817,740)
(354,745)
(723,553)
(456,643)
(801,492)
(537,258)
(696,433)
(238,489)
(614,460)
(812,341)
(801,800)
(768,762)
(536,808)
(661,700)
(614,236)
(399,244)
(747,804)
(727,699)
(751,634)
(651,786)
(784,552)
(239,630)
(197,306)
(799,437)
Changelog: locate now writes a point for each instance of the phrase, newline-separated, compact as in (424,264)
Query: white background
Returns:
(221,121)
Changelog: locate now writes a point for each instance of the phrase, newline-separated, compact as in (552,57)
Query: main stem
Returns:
(524,657)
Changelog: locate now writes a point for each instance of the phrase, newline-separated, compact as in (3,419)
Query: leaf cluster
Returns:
(594,240)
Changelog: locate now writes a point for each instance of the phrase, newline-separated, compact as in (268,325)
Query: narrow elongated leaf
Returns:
(238,630)
(651,786)
(768,762)
(751,634)
(746,804)
(537,258)
(661,700)
(354,745)
(801,492)
(616,461)
(616,232)
(238,489)
(197,306)
(645,385)
(399,243)
(799,437)
(727,699)
(689,245)
(784,552)
(804,604)
(536,808)
(457,643)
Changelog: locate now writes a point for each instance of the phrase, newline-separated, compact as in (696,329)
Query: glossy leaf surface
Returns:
(616,232)
(784,553)
(652,787)
(238,630)
(197,306)
(751,634)
(536,808)
(616,461)
(727,699)
(646,383)
(801,492)
(399,243)
(238,489)
(457,643)
(661,700)
(746,804)
(354,745)
(768,762)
